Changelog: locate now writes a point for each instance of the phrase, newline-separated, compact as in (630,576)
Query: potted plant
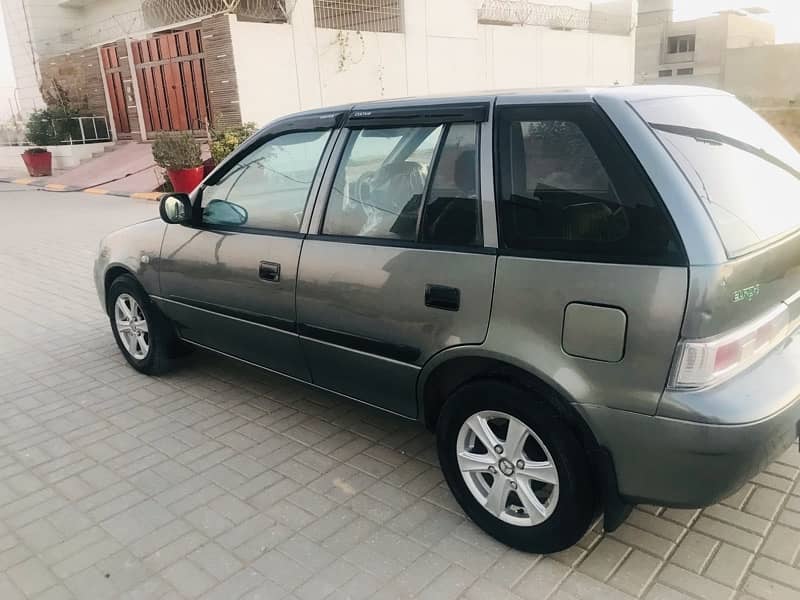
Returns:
(225,141)
(39,132)
(179,155)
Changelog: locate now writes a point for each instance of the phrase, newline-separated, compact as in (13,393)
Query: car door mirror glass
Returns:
(222,212)
(176,208)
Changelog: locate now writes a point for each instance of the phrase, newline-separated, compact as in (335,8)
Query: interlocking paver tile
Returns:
(222,481)
(729,565)
(694,551)
(189,579)
(31,576)
(687,581)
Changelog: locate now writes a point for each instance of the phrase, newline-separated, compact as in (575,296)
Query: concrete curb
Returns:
(59,187)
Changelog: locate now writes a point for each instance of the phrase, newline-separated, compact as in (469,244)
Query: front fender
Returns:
(135,249)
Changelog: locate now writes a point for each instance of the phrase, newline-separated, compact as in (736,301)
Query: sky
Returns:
(784,14)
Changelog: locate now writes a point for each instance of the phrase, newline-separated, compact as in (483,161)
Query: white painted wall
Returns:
(290,67)
(64,157)
(44,27)
(23,58)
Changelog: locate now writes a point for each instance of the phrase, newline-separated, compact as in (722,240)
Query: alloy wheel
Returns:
(132,326)
(507,468)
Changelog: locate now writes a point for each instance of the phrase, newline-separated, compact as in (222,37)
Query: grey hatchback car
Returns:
(592,296)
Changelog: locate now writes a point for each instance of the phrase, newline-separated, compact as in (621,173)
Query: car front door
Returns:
(228,282)
(395,268)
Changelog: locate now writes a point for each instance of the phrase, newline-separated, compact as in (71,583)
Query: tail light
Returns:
(706,362)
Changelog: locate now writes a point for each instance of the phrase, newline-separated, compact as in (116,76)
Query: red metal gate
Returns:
(116,92)
(170,70)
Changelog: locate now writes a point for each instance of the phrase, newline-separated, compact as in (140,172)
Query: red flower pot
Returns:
(185,180)
(39,164)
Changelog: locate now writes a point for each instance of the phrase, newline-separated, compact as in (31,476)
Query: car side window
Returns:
(378,187)
(568,188)
(408,184)
(451,214)
(268,188)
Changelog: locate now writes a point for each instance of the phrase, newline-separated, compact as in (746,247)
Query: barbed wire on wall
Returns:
(528,12)
(160,12)
(153,14)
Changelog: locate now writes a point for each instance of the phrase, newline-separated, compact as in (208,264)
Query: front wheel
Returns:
(515,467)
(143,334)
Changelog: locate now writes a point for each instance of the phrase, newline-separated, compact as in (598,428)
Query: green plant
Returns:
(225,141)
(65,125)
(39,128)
(175,151)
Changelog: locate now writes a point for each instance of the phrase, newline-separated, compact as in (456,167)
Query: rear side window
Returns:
(744,172)
(568,188)
(411,184)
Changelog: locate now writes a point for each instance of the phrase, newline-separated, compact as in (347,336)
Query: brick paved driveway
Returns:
(222,481)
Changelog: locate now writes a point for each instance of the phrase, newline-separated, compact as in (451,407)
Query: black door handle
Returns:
(442,296)
(269,271)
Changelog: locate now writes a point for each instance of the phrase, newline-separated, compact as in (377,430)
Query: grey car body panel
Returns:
(486,175)
(724,296)
(376,294)
(125,249)
(363,328)
(531,296)
(211,289)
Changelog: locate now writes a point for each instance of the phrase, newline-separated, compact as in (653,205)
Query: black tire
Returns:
(575,506)
(163,343)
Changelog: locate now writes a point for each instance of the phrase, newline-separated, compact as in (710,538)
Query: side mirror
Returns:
(222,212)
(175,208)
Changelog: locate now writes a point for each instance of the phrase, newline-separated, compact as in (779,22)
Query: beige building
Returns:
(693,52)
(766,76)
(156,65)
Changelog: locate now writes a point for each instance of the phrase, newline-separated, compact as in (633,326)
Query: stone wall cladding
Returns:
(79,74)
(223,92)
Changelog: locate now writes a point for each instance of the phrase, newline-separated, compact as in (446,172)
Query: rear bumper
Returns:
(734,431)
(679,463)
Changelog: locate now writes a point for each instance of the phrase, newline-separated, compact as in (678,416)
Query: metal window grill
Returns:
(360,15)
(617,18)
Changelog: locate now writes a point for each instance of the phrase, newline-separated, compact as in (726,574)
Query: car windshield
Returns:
(746,174)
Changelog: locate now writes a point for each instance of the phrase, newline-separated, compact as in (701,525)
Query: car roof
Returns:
(523,96)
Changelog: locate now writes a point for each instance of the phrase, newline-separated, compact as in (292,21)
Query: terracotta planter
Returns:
(185,180)
(39,164)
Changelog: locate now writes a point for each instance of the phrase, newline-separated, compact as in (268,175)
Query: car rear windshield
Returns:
(745,173)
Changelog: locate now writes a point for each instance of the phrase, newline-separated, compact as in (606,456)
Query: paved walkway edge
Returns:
(58,187)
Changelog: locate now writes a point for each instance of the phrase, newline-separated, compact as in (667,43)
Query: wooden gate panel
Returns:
(113,77)
(170,70)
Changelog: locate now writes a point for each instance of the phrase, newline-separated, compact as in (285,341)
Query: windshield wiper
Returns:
(706,135)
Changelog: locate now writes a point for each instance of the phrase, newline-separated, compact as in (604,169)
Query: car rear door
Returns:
(395,267)
(228,281)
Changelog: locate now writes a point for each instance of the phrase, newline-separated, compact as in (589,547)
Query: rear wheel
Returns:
(515,467)
(145,337)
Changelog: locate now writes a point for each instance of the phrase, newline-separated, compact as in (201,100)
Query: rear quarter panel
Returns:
(531,296)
